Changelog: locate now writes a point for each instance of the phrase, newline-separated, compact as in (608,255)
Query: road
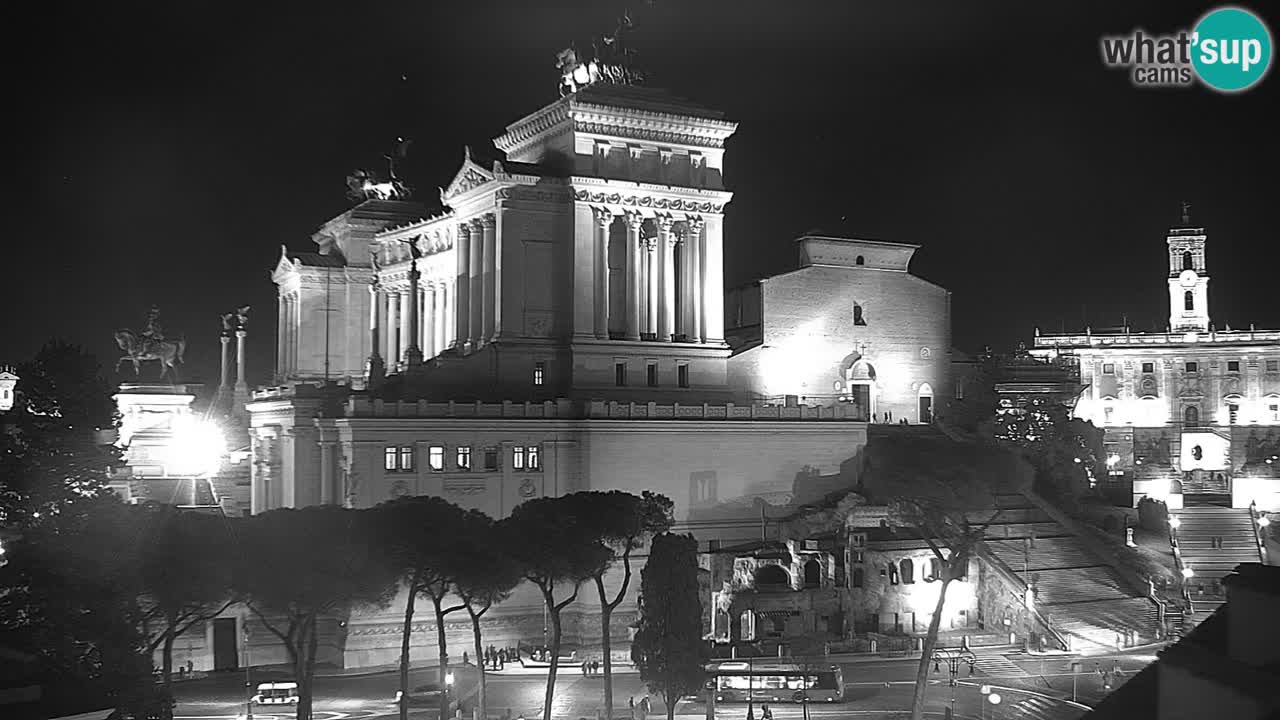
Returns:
(1030,688)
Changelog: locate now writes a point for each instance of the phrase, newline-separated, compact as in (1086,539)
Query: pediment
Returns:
(284,266)
(470,176)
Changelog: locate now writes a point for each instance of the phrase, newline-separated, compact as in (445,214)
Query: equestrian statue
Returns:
(150,344)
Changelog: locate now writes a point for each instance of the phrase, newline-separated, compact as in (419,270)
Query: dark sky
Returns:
(165,151)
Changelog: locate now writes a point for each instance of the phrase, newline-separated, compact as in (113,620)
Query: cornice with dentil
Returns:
(530,126)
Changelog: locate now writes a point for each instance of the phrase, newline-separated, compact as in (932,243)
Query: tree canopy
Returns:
(668,648)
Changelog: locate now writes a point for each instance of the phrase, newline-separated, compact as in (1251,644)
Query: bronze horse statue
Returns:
(136,350)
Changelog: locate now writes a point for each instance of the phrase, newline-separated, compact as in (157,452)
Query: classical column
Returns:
(328,472)
(713,277)
(429,320)
(282,328)
(462,296)
(651,269)
(488,225)
(226,363)
(449,316)
(666,281)
(475,324)
(693,240)
(393,324)
(603,219)
(412,298)
(374,367)
(241,384)
(634,221)
(295,323)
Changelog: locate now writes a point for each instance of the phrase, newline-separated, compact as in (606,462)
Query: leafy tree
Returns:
(1065,452)
(305,565)
(621,522)
(52,448)
(68,596)
(487,575)
(936,487)
(424,536)
(185,575)
(553,546)
(668,647)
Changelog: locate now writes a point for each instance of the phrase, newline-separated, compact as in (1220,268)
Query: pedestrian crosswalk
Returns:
(1038,708)
(994,664)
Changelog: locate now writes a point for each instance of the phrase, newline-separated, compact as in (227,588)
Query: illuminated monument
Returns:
(1193,410)
(559,325)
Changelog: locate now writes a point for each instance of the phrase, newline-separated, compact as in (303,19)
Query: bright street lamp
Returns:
(1263,521)
(196,447)
(1175,522)
(1187,572)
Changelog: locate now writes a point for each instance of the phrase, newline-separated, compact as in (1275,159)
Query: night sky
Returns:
(165,151)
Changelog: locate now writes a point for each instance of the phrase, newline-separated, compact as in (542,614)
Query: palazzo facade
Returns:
(1195,408)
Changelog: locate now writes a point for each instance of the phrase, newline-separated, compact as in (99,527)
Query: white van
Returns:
(285,693)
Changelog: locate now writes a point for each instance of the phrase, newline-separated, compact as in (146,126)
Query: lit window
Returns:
(620,374)
(464,458)
(435,458)
(1188,301)
(959,390)
(1273,366)
(406,458)
(1148,367)
(1275,412)
(1233,413)
(651,374)
(702,486)
(856,557)
(1193,367)
(491,459)
(539,372)
(397,458)
(1108,369)
(533,457)
(682,375)
(1233,366)
(389,459)
(517,457)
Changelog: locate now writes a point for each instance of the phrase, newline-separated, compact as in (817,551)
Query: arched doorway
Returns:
(813,573)
(860,383)
(924,404)
(771,576)
(1191,416)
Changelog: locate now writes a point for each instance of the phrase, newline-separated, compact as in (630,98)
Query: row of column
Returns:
(479,268)
(650,307)
(391,319)
(290,322)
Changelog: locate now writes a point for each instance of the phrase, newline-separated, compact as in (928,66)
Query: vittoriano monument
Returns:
(151,344)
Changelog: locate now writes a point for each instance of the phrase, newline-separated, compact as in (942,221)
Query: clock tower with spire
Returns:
(1188,278)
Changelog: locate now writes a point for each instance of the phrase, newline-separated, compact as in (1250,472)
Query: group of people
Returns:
(496,658)
(590,668)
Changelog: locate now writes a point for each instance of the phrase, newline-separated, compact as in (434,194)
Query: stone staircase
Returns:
(1212,541)
(1084,599)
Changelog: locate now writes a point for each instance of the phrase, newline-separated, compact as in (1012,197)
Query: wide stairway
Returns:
(1083,598)
(1212,541)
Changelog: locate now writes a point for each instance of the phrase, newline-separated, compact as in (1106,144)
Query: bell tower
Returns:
(1188,277)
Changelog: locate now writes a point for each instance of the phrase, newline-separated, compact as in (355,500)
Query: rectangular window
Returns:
(620,374)
(533,457)
(435,458)
(517,457)
(1106,414)
(1273,366)
(959,390)
(1148,367)
(464,457)
(1275,412)
(1233,366)
(490,458)
(856,557)
(389,459)
(1108,368)
(651,374)
(1233,413)
(682,375)
(406,458)
(539,372)
(702,486)
(1193,367)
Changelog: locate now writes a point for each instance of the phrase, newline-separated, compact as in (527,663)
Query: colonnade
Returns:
(650,310)
(390,317)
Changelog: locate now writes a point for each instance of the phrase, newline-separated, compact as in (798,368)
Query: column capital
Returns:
(603,216)
(634,220)
(464,228)
(649,243)
(694,223)
(665,222)
(487,221)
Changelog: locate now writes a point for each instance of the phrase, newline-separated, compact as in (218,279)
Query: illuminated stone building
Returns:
(1195,409)
(560,326)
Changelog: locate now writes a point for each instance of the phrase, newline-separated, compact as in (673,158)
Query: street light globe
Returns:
(196,446)
(994,698)
(1263,521)
(448,678)
(1175,522)
(1187,572)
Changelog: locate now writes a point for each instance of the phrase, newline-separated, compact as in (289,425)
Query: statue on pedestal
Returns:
(150,344)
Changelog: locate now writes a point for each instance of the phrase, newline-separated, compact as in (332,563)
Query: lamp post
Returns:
(248,682)
(448,687)
(953,658)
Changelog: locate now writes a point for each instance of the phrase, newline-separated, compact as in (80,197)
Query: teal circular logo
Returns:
(1231,49)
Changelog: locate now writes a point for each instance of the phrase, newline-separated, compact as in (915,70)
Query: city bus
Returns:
(776,682)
